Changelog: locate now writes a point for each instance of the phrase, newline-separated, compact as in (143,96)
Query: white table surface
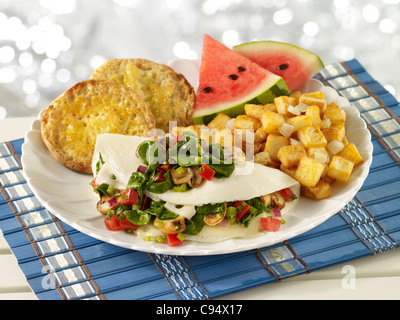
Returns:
(376,277)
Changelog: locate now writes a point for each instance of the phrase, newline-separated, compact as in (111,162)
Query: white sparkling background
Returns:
(46,46)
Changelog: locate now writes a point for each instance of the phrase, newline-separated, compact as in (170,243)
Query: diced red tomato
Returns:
(162,169)
(242,209)
(175,141)
(125,224)
(94,184)
(173,240)
(271,224)
(206,172)
(112,223)
(129,197)
(287,194)
(115,223)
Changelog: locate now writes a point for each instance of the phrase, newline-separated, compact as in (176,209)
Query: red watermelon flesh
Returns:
(292,63)
(228,80)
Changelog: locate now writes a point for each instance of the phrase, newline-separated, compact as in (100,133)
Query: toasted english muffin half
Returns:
(168,94)
(71,123)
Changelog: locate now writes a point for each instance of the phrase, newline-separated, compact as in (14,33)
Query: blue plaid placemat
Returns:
(60,262)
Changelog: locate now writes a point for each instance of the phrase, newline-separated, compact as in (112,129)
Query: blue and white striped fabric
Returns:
(61,263)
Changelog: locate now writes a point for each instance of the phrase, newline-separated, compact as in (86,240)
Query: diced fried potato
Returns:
(207,135)
(311,137)
(322,190)
(290,155)
(296,95)
(299,122)
(311,101)
(263,158)
(350,152)
(315,94)
(282,103)
(314,152)
(254,110)
(290,171)
(270,107)
(309,172)
(219,122)
(224,137)
(271,121)
(260,136)
(335,114)
(247,122)
(336,132)
(340,168)
(273,145)
(314,113)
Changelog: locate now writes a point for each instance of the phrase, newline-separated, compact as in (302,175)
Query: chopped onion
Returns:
(277,213)
(286,130)
(302,107)
(326,123)
(230,124)
(294,110)
(141,169)
(335,146)
(112,202)
(224,224)
(320,157)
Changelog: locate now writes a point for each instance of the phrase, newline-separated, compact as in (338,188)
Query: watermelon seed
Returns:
(207,89)
(233,76)
(241,69)
(283,66)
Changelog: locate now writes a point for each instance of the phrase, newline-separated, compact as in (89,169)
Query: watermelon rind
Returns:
(309,60)
(269,89)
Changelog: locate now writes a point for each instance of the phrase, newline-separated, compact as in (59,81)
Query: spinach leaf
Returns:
(151,153)
(207,209)
(257,207)
(194,225)
(136,180)
(138,217)
(99,163)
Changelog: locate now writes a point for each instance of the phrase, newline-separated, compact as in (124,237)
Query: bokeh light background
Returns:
(46,46)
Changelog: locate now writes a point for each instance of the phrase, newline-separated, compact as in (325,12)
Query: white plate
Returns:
(68,196)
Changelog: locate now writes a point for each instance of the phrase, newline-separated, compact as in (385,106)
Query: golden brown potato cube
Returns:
(260,136)
(219,122)
(176,131)
(290,171)
(224,137)
(263,158)
(311,101)
(340,168)
(270,107)
(296,95)
(319,154)
(322,190)
(282,103)
(315,94)
(207,135)
(350,152)
(335,114)
(309,172)
(254,110)
(290,155)
(313,112)
(299,122)
(311,137)
(247,122)
(274,143)
(271,121)
(336,132)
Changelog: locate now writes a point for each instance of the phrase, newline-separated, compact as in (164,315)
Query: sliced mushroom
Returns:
(181,175)
(171,226)
(214,219)
(196,179)
(274,200)
(278,201)
(108,203)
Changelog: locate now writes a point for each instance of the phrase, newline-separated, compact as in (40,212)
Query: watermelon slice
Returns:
(292,63)
(228,81)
